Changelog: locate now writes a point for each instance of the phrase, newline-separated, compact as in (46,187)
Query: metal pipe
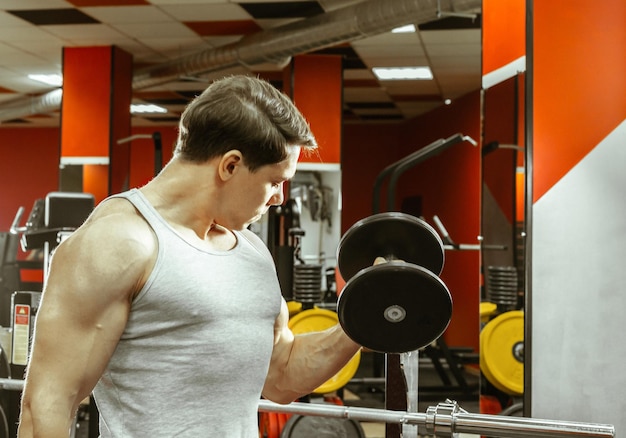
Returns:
(447,419)
(11,384)
(45,103)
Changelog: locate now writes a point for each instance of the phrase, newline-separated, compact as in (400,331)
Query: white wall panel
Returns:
(579,291)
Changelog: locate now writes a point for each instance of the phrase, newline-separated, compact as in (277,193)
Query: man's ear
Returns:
(230,164)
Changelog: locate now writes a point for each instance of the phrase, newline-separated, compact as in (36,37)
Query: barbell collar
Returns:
(447,419)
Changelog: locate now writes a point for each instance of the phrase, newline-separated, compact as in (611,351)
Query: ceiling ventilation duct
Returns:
(277,45)
(42,104)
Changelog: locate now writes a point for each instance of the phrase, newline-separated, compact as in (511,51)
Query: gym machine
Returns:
(51,220)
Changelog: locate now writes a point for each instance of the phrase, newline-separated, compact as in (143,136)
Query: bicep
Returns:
(283,343)
(82,315)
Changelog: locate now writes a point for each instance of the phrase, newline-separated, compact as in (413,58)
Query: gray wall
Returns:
(579,291)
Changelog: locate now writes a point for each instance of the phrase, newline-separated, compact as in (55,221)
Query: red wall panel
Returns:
(575,81)
(504,33)
(317,92)
(29,169)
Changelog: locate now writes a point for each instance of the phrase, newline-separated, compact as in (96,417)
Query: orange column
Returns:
(314,82)
(95,114)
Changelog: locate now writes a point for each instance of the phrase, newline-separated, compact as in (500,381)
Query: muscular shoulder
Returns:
(117,221)
(114,244)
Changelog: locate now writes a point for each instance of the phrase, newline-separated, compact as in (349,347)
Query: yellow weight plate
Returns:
(294,308)
(502,352)
(486,310)
(314,320)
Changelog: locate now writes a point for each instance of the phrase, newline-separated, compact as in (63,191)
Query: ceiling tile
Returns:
(128,14)
(471,36)
(365,94)
(453,22)
(34,4)
(149,30)
(189,2)
(41,17)
(108,2)
(206,12)
(24,33)
(11,20)
(287,9)
(221,28)
(173,48)
(81,33)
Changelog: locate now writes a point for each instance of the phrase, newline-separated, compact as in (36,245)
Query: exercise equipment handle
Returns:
(15,228)
(390,168)
(415,159)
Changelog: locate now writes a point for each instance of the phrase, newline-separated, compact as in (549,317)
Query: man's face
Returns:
(256,192)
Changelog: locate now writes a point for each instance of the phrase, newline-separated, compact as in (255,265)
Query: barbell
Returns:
(447,419)
(401,305)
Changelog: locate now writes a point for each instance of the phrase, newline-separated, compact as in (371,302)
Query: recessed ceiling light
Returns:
(404,29)
(147,108)
(55,80)
(402,73)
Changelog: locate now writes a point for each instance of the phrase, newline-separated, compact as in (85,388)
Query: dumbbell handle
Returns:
(386,259)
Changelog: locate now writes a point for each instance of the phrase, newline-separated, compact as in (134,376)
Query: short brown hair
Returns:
(244,113)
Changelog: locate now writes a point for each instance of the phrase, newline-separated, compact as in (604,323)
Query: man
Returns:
(164,304)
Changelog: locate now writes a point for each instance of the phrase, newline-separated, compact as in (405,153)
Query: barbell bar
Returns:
(442,420)
(447,419)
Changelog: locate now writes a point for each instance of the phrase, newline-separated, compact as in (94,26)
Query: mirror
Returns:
(502,252)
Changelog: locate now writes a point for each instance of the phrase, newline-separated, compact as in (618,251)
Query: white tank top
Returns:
(193,358)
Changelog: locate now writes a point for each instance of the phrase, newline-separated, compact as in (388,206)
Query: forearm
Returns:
(314,358)
(36,422)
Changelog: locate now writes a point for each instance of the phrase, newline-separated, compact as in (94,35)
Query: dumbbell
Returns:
(401,305)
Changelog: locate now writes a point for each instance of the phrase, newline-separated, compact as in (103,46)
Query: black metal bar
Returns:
(380,179)
(415,159)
